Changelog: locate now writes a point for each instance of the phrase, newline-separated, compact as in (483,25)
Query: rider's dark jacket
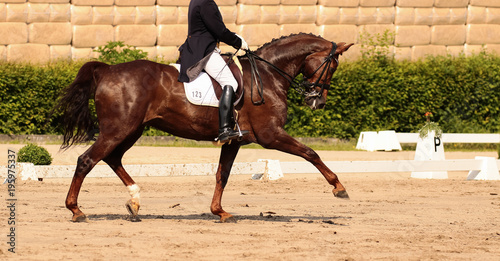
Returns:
(205,29)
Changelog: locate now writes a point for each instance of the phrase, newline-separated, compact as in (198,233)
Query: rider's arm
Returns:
(213,20)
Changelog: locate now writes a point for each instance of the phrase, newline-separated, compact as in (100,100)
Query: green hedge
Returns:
(462,93)
(372,94)
(28,94)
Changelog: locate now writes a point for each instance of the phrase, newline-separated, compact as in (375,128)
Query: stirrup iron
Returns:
(240,132)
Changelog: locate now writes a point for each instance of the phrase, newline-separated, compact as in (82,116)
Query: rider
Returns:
(200,52)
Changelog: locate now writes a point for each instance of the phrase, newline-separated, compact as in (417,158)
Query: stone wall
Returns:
(45,30)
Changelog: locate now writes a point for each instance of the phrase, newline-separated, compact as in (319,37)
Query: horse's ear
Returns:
(342,47)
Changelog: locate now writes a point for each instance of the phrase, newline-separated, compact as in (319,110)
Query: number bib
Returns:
(201,90)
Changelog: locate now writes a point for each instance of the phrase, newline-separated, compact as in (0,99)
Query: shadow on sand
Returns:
(266,216)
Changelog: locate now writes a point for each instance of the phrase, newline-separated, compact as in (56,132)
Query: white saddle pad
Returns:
(201,90)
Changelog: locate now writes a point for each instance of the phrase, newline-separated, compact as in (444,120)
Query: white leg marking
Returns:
(134,191)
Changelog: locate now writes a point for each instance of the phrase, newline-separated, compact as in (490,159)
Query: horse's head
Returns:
(318,71)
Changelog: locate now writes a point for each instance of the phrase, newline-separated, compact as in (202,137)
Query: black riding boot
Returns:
(226,118)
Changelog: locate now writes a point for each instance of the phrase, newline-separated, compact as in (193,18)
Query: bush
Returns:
(375,93)
(34,154)
(461,92)
(29,92)
(118,52)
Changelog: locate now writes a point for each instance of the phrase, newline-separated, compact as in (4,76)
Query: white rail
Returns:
(303,167)
(385,166)
(453,137)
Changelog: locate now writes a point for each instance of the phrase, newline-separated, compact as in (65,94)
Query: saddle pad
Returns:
(201,90)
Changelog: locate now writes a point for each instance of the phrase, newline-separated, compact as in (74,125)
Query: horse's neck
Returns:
(288,61)
(290,56)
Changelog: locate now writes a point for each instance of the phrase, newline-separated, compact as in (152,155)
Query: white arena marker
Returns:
(430,148)
(388,141)
(273,169)
(367,141)
(488,171)
(382,140)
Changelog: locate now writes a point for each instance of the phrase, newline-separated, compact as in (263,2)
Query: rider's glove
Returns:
(244,45)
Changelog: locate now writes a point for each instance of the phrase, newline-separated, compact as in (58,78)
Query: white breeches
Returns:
(219,70)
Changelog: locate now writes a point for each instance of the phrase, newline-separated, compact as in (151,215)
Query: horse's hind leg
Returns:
(284,142)
(227,156)
(114,160)
(86,162)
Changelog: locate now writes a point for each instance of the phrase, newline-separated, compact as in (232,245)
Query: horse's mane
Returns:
(274,40)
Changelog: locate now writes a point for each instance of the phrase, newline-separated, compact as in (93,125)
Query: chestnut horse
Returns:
(141,93)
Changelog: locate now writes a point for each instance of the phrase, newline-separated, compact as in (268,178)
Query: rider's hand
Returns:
(244,45)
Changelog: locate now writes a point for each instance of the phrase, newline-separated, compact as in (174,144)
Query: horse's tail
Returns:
(78,123)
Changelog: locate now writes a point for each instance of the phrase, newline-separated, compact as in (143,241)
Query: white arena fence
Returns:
(479,168)
(454,137)
(389,140)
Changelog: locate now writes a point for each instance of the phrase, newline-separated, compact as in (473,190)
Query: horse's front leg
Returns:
(281,141)
(227,156)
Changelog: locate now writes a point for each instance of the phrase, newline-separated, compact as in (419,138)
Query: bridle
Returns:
(322,77)
(303,87)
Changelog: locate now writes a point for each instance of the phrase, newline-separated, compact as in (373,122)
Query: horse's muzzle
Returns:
(316,102)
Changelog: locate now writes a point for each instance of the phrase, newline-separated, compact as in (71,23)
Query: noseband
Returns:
(302,88)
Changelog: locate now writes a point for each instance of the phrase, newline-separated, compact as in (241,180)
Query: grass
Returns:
(340,146)
(316,145)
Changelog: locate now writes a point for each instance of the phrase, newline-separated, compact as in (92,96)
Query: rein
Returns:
(300,88)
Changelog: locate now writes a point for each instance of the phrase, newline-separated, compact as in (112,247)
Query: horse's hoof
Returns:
(132,207)
(341,194)
(229,219)
(80,218)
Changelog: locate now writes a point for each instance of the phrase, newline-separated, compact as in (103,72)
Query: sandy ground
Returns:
(390,216)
